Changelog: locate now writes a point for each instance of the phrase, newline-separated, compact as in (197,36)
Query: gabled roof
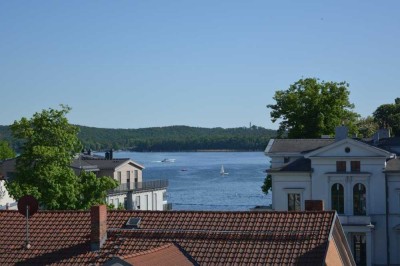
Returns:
(272,238)
(300,146)
(349,142)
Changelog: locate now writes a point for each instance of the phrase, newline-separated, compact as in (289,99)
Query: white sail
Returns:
(222,172)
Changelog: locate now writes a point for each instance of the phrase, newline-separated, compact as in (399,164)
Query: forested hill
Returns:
(172,138)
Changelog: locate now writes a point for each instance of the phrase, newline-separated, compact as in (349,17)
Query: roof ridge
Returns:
(211,212)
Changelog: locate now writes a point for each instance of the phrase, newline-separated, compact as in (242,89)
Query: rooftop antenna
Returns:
(27,206)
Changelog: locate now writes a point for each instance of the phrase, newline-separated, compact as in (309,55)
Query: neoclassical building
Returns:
(358,179)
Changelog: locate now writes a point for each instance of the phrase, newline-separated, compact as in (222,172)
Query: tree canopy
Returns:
(367,127)
(310,108)
(388,116)
(43,167)
(6,151)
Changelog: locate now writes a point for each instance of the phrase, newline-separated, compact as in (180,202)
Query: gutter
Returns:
(387,221)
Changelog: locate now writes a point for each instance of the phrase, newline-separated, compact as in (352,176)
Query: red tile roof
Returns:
(63,237)
(167,255)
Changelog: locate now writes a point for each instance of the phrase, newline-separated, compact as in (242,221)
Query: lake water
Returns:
(195,182)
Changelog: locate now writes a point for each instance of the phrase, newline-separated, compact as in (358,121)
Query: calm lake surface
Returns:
(195,182)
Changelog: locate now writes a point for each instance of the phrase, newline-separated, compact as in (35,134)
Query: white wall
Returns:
(285,183)
(5,197)
(149,200)
(124,175)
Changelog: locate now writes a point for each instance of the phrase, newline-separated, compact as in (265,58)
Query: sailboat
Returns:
(222,172)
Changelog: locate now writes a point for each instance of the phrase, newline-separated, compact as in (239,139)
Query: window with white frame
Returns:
(359,199)
(119,177)
(355,166)
(116,203)
(294,202)
(337,198)
(340,166)
(294,198)
(138,202)
(136,176)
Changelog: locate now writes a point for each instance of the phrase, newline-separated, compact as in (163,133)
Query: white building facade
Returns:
(360,181)
(133,193)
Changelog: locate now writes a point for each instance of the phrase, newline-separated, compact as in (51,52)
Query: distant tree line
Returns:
(172,138)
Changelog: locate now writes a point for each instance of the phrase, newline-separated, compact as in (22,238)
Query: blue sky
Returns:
(135,64)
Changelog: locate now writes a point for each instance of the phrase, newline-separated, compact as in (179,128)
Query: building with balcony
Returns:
(357,179)
(133,193)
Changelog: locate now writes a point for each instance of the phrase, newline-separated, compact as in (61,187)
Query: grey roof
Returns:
(84,164)
(297,145)
(299,165)
(104,164)
(390,144)
(393,165)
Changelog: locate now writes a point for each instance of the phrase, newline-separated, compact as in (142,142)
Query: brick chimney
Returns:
(314,205)
(98,226)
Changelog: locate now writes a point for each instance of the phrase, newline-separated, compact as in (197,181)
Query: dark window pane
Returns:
(337,198)
(355,166)
(359,249)
(294,203)
(341,166)
(359,199)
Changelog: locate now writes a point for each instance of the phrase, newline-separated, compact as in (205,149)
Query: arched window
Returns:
(337,198)
(359,199)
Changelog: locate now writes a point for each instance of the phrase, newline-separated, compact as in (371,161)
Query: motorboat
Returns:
(166,160)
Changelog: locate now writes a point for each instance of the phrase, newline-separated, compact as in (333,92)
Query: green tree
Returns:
(43,167)
(388,116)
(367,127)
(267,185)
(94,189)
(6,151)
(310,108)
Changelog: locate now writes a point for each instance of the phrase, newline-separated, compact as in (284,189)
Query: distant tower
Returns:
(250,124)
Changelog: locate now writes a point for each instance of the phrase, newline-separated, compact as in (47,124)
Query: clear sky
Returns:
(135,64)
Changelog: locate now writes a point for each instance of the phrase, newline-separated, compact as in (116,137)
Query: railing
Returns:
(167,207)
(140,186)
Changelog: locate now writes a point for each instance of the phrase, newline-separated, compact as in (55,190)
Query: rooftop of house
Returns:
(299,146)
(103,163)
(299,165)
(64,237)
(393,165)
(167,255)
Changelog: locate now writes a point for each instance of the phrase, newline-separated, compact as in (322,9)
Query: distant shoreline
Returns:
(200,150)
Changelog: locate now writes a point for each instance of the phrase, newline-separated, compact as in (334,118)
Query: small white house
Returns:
(133,193)
(6,202)
(358,180)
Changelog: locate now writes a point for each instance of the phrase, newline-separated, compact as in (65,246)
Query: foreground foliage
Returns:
(43,167)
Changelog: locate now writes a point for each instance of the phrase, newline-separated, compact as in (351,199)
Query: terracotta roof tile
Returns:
(169,254)
(208,237)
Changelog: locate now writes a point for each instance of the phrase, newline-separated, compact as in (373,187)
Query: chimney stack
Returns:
(314,205)
(98,229)
(341,133)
